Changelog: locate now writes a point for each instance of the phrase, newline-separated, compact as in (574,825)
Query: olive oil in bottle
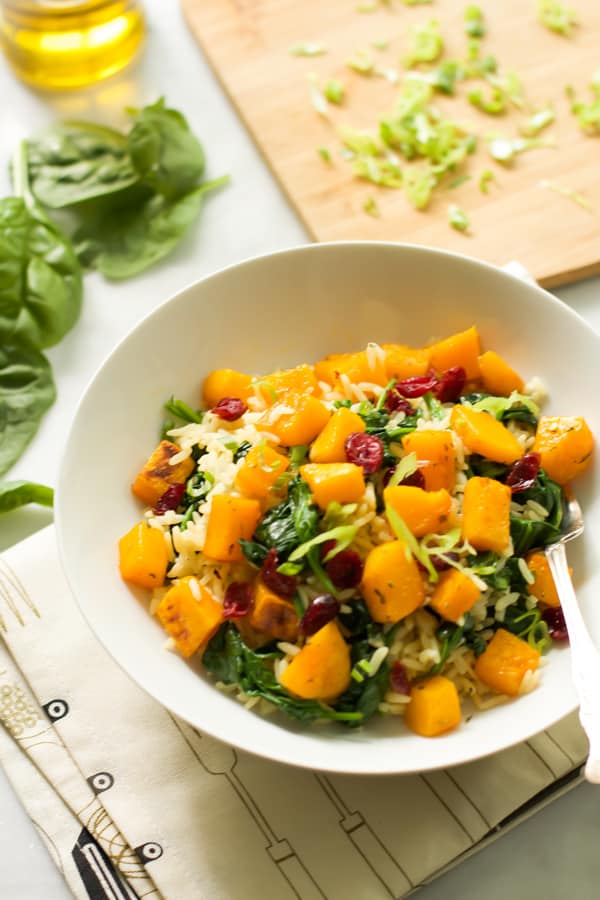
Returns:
(69,43)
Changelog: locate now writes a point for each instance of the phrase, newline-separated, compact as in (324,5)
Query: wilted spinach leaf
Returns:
(529,533)
(290,523)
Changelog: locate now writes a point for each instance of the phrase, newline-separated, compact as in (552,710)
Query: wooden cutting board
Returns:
(248,42)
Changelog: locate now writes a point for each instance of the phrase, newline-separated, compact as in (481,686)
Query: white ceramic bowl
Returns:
(277,311)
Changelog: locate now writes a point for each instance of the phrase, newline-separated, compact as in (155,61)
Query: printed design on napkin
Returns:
(56,709)
(97,872)
(17,713)
(100,782)
(15,602)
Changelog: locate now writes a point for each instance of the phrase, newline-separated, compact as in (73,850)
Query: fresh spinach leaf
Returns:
(164,152)
(26,391)
(20,493)
(40,277)
(72,162)
(121,246)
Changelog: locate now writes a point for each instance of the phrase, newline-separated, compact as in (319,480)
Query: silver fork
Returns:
(585,659)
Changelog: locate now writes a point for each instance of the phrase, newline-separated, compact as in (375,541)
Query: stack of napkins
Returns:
(133,802)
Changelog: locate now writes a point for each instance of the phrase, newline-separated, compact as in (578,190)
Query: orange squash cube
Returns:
(190,615)
(482,433)
(424,512)
(222,383)
(486,514)
(565,444)
(504,662)
(275,387)
(392,584)
(405,362)
(297,420)
(497,377)
(436,457)
(158,474)
(358,367)
(273,615)
(543,588)
(230,519)
(434,707)
(328,446)
(261,468)
(461,349)
(329,482)
(143,557)
(454,595)
(321,670)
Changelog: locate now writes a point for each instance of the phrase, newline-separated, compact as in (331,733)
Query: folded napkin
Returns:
(133,802)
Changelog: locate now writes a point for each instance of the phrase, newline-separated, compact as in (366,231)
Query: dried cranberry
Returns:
(450,384)
(554,618)
(524,472)
(416,385)
(284,585)
(364,450)
(415,479)
(322,610)
(395,402)
(171,499)
(345,569)
(230,408)
(440,563)
(238,600)
(399,681)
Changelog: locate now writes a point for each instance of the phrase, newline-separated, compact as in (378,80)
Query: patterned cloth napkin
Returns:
(133,802)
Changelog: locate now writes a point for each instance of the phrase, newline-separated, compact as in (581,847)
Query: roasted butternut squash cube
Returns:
(158,474)
(460,349)
(190,615)
(298,419)
(329,482)
(481,433)
(486,514)
(405,362)
(424,512)
(543,588)
(454,595)
(434,707)
(230,519)
(497,377)
(392,584)
(273,615)
(143,556)
(329,445)
(321,670)
(565,444)
(222,383)
(436,457)
(275,387)
(260,470)
(362,367)
(504,662)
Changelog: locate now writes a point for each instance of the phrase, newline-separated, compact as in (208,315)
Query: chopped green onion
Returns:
(458,181)
(383,396)
(380,44)
(497,406)
(359,142)
(504,150)
(371,7)
(556,16)
(324,154)
(494,105)
(371,208)
(342,534)
(317,98)
(416,2)
(378,171)
(426,44)
(485,179)
(404,534)
(298,454)
(537,121)
(576,197)
(308,48)
(474,24)
(406,467)
(334,91)
(356,675)
(361,62)
(457,218)
(419,182)
(588,114)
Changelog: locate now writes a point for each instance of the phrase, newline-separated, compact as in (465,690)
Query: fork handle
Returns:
(585,660)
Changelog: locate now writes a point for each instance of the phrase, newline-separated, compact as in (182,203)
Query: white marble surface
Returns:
(552,856)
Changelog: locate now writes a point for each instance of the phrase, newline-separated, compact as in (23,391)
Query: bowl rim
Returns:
(266,752)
